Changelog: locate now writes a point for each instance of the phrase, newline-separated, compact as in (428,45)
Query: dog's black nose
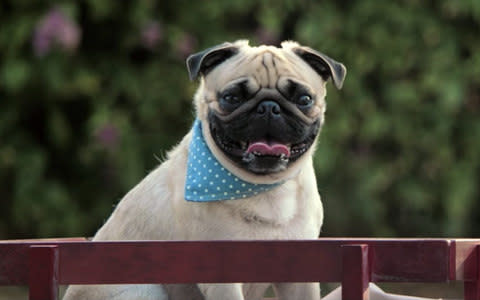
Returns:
(268,107)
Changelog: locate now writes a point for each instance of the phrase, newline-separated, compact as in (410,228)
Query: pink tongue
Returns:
(273,149)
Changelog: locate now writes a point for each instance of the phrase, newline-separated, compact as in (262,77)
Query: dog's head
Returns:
(262,107)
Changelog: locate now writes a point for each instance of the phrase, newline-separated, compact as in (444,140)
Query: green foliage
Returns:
(80,124)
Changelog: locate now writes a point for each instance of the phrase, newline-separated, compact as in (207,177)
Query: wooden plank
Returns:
(45,241)
(230,261)
(14,258)
(410,261)
(249,261)
(43,272)
(472,281)
(464,259)
(471,290)
(13,264)
(190,262)
(356,272)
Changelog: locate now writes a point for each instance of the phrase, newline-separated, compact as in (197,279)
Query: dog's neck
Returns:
(208,180)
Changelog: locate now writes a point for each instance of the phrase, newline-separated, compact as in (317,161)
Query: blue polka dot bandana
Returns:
(207,180)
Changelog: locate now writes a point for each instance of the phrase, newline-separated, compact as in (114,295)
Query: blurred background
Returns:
(93,94)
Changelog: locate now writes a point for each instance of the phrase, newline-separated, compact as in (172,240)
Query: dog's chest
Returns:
(275,208)
(282,213)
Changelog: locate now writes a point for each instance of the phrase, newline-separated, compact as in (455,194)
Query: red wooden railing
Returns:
(45,264)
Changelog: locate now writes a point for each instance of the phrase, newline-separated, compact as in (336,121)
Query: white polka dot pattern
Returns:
(208,180)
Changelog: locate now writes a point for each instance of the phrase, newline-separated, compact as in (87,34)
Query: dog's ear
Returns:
(203,62)
(323,65)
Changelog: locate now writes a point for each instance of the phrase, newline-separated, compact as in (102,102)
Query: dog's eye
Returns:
(305,100)
(231,98)
(230,101)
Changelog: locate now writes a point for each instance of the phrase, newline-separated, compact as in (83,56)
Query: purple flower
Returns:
(185,45)
(151,35)
(55,29)
(107,136)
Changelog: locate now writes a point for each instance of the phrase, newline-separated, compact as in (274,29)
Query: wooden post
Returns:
(355,272)
(472,287)
(43,272)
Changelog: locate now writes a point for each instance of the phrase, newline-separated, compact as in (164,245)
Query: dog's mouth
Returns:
(272,148)
(264,155)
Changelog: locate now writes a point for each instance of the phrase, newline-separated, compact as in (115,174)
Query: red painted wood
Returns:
(472,282)
(410,260)
(452,265)
(13,264)
(355,272)
(464,259)
(46,240)
(14,258)
(318,260)
(189,262)
(471,290)
(43,272)
(247,261)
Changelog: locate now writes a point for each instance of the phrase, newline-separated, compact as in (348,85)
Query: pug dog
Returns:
(244,171)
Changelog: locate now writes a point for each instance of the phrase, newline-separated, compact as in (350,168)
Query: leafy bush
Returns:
(92,94)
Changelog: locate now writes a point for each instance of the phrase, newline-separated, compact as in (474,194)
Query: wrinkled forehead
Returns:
(267,66)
